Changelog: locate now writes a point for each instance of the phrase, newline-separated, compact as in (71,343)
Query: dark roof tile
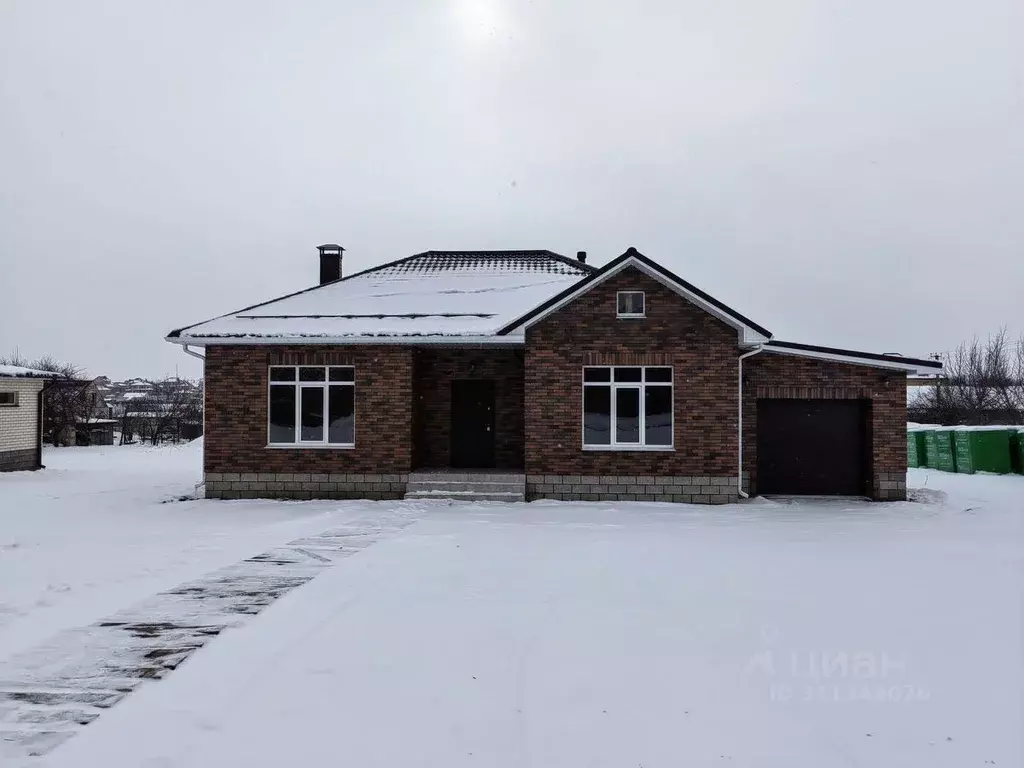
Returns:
(496,261)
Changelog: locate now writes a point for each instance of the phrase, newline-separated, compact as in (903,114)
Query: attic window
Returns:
(8,399)
(630,304)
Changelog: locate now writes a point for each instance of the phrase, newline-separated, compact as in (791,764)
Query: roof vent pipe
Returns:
(330,262)
(581,257)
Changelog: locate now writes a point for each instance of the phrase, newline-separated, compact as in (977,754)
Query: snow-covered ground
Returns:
(101,528)
(811,633)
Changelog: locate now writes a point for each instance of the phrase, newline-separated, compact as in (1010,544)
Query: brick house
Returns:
(530,373)
(21,417)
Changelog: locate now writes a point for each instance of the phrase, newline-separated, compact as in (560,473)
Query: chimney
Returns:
(581,257)
(330,262)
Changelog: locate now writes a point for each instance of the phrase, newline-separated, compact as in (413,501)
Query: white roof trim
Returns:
(894,364)
(511,340)
(747,335)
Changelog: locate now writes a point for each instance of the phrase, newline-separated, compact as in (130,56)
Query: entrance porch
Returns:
(468,410)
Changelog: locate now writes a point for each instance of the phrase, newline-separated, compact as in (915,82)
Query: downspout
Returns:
(196,355)
(739,477)
(188,351)
(39,421)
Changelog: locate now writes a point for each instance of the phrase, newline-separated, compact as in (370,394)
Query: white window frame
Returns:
(13,403)
(643,300)
(613,387)
(325,386)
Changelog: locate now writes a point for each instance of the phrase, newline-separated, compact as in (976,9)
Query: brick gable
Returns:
(701,349)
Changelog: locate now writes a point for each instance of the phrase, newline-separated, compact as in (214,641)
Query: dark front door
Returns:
(812,447)
(473,423)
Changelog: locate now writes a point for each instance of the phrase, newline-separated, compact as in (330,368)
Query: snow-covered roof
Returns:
(17,371)
(434,295)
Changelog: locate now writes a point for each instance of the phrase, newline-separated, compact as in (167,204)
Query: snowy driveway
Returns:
(108,579)
(803,634)
(100,529)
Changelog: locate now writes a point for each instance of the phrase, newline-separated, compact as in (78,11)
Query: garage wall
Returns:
(772,375)
(19,425)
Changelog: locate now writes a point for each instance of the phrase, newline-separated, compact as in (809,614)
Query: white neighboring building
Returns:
(21,417)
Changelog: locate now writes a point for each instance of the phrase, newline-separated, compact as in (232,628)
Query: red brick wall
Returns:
(701,349)
(236,410)
(433,372)
(771,375)
(703,352)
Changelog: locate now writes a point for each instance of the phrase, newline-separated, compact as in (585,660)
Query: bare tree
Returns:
(1015,393)
(173,404)
(129,422)
(190,423)
(15,358)
(66,401)
(984,384)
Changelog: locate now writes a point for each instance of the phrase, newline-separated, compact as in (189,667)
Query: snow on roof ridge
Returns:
(498,262)
(18,371)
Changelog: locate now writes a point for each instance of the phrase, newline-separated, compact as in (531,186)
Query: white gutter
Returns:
(187,351)
(410,341)
(870,362)
(739,476)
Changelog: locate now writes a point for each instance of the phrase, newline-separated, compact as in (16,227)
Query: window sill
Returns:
(631,448)
(631,317)
(308,447)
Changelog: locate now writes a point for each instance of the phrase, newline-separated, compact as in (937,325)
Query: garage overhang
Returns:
(853,357)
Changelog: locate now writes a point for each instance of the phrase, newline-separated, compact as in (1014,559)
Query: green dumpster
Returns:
(945,458)
(931,448)
(990,449)
(963,450)
(1017,451)
(917,451)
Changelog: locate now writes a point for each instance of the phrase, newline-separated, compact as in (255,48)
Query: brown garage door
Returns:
(813,447)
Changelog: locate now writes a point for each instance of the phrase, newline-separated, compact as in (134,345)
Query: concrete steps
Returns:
(467,486)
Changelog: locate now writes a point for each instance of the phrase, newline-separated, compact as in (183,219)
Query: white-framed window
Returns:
(630,304)
(311,405)
(627,407)
(8,399)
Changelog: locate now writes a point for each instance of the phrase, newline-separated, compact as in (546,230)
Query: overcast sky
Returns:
(844,172)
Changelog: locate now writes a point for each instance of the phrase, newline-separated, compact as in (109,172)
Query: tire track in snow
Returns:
(49,693)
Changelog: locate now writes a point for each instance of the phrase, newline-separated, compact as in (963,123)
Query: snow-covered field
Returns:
(101,528)
(811,633)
